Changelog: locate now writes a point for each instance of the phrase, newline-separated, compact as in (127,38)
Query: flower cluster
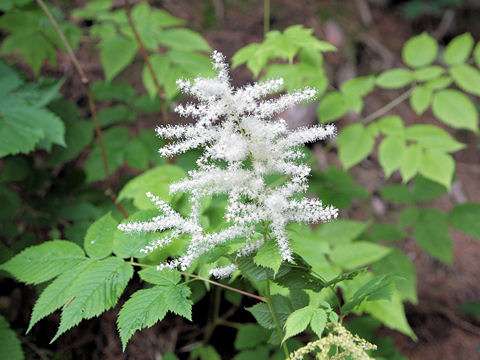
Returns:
(241,146)
(352,347)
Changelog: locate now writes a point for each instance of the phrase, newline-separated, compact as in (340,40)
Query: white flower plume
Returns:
(241,145)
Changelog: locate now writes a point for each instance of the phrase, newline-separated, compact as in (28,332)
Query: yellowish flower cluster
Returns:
(346,343)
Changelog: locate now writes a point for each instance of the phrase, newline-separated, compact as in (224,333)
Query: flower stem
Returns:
(198,277)
(268,298)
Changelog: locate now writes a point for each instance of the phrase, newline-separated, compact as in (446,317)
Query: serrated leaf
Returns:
(98,289)
(332,107)
(99,239)
(160,65)
(116,53)
(115,114)
(411,161)
(394,79)
(458,50)
(40,263)
(319,321)
(250,336)
(269,256)
(437,166)
(357,254)
(386,232)
(428,73)
(298,321)
(114,140)
(156,181)
(184,39)
(262,313)
(390,154)
(467,78)
(465,218)
(22,126)
(10,345)
(127,245)
(432,137)
(431,233)
(119,91)
(420,50)
(420,99)
(397,263)
(165,277)
(147,307)
(355,144)
(58,293)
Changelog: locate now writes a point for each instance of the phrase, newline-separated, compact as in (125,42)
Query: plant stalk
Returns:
(86,83)
(384,109)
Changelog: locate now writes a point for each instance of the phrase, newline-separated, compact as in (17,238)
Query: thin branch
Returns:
(384,109)
(144,52)
(198,277)
(86,83)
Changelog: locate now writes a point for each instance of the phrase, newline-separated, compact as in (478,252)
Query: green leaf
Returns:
(262,313)
(164,277)
(394,79)
(298,321)
(467,78)
(390,154)
(431,233)
(420,50)
(397,263)
(319,321)
(391,125)
(458,50)
(355,144)
(119,91)
(428,73)
(116,53)
(360,86)
(332,107)
(10,345)
(420,99)
(268,256)
(184,39)
(254,55)
(97,289)
(40,263)
(58,292)
(439,83)
(156,181)
(146,307)
(476,54)
(455,109)
(386,232)
(411,161)
(205,352)
(341,231)
(438,166)
(250,336)
(465,218)
(432,137)
(115,114)
(22,126)
(357,254)
(114,140)
(160,65)
(127,245)
(471,308)
(99,239)
(399,194)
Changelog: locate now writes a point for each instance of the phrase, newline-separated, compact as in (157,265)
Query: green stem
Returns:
(198,277)
(398,100)
(266,17)
(268,297)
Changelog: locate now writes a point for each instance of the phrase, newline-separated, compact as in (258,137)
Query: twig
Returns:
(198,277)
(34,348)
(161,93)
(384,109)
(266,17)
(86,83)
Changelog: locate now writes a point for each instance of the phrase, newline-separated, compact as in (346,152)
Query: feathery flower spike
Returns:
(240,147)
